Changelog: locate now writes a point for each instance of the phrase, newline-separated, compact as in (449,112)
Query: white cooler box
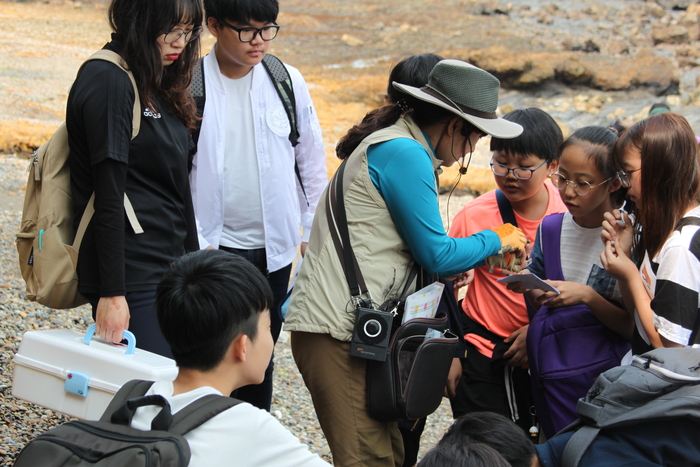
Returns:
(58,370)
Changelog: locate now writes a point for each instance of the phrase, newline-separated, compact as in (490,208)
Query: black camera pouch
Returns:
(405,379)
(409,384)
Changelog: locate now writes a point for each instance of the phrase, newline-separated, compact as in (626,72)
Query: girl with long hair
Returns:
(657,160)
(118,268)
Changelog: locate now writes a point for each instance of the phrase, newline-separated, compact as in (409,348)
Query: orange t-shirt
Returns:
(488,302)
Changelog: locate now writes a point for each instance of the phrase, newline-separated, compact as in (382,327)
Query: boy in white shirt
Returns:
(252,188)
(213,309)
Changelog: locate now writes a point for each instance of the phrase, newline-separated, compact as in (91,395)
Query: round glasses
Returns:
(249,34)
(624,176)
(521,173)
(175,34)
(582,188)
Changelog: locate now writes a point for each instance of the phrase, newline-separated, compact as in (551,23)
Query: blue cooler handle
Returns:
(128,335)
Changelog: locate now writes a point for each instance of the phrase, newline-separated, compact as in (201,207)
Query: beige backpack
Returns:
(47,243)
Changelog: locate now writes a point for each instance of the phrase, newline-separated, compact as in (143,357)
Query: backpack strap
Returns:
(199,412)
(577,445)
(283,84)
(113,57)
(199,93)
(130,390)
(506,209)
(550,236)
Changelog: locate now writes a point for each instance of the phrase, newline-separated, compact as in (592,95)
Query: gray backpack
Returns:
(661,384)
(112,442)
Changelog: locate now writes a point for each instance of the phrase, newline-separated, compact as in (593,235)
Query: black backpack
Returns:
(112,442)
(659,385)
(285,90)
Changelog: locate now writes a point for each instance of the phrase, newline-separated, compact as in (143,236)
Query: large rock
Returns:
(677,4)
(523,70)
(654,73)
(671,34)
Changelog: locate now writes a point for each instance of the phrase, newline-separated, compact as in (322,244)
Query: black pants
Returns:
(482,388)
(142,321)
(260,395)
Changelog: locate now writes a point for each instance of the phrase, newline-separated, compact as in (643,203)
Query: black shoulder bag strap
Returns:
(504,206)
(338,226)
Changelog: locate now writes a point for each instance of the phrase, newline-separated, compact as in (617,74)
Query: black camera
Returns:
(371,334)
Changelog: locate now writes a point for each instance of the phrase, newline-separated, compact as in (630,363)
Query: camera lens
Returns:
(373,328)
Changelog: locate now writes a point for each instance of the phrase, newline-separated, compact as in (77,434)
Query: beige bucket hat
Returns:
(468,92)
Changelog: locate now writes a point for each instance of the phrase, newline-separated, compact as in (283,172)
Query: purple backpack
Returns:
(567,347)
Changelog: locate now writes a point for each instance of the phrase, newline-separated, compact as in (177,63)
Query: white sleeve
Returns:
(309,153)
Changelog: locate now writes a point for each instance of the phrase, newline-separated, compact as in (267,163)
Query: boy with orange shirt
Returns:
(495,320)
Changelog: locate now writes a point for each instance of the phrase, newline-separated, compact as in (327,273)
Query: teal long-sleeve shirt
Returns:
(402,171)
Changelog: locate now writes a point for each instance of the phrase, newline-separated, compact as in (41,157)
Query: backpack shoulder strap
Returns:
(199,93)
(113,57)
(283,84)
(504,206)
(199,412)
(130,390)
(687,221)
(550,231)
(577,445)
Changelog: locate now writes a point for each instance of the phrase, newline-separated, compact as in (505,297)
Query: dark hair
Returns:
(493,430)
(204,301)
(670,171)
(412,71)
(541,135)
(242,11)
(467,455)
(138,24)
(597,142)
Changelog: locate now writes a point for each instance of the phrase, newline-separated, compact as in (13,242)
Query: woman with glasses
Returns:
(657,160)
(393,221)
(119,267)
(591,329)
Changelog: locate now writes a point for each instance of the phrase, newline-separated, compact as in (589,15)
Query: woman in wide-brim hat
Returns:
(393,218)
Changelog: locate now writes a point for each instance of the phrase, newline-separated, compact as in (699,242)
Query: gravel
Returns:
(21,421)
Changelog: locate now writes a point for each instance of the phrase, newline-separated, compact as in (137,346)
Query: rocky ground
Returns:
(586,62)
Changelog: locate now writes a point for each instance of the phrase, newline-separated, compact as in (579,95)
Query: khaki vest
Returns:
(320,302)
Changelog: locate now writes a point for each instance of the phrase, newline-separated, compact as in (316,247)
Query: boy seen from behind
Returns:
(495,320)
(213,310)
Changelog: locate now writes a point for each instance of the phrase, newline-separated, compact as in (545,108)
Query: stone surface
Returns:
(672,34)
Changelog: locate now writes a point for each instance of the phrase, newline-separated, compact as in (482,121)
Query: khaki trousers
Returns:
(337,383)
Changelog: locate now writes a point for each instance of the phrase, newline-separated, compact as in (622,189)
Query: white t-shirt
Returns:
(242,436)
(243,216)
(579,251)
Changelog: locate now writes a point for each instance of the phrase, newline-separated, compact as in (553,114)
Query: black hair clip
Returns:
(403,105)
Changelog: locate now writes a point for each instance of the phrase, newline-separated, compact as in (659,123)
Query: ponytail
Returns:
(377,119)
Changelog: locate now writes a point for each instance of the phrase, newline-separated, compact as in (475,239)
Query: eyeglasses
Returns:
(624,176)
(175,34)
(249,34)
(521,173)
(582,188)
